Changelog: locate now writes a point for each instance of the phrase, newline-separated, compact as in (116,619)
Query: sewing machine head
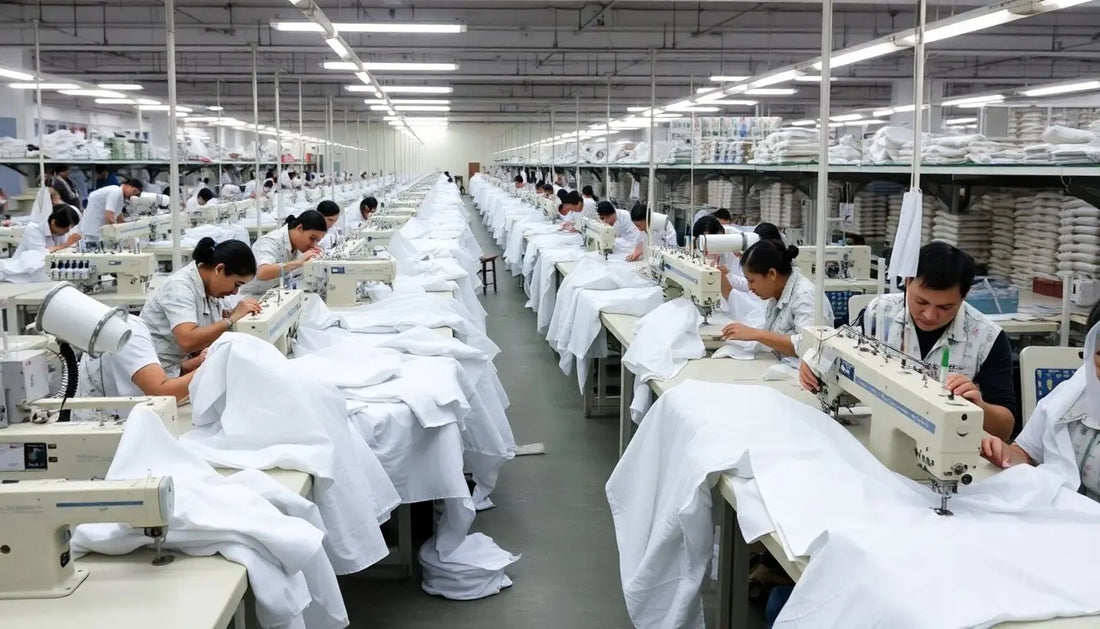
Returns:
(119,235)
(337,279)
(160,227)
(841,261)
(148,203)
(373,236)
(597,235)
(691,276)
(917,427)
(10,237)
(35,517)
(278,319)
(389,221)
(132,271)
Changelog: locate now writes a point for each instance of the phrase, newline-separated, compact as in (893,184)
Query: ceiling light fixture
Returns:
(780,77)
(846,117)
(44,86)
(416,89)
(360,88)
(1061,4)
(147,101)
(860,54)
(93,93)
(734,103)
(13,74)
(1065,88)
(772,91)
(215,108)
(298,27)
(803,123)
(124,87)
(973,101)
(812,78)
(369,27)
(363,77)
(721,78)
(338,47)
(115,101)
(411,101)
(422,107)
(964,26)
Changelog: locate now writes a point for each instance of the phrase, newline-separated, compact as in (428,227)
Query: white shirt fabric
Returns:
(38,237)
(665,340)
(248,518)
(111,375)
(589,208)
(101,201)
(180,299)
(272,248)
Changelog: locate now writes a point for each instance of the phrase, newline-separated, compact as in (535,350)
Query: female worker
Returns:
(57,233)
(790,297)
(1063,432)
(331,211)
(201,198)
(185,314)
(134,370)
(734,279)
(286,250)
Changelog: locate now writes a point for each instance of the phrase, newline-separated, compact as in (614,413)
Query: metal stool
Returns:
(488,266)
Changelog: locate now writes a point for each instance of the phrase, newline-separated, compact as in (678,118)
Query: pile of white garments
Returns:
(1038,225)
(870,211)
(1071,146)
(787,145)
(1079,240)
(12,147)
(847,150)
(719,193)
(781,205)
(969,231)
(1026,125)
(64,144)
(624,152)
(893,215)
(1001,206)
(891,144)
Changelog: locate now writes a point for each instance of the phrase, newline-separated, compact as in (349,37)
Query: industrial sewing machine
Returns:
(132,271)
(391,222)
(221,212)
(597,235)
(10,237)
(278,319)
(160,227)
(682,274)
(841,261)
(148,203)
(337,279)
(373,235)
(918,428)
(119,235)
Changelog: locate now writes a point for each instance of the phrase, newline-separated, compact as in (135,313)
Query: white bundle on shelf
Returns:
(1001,206)
(847,150)
(781,205)
(13,147)
(1079,241)
(871,213)
(719,193)
(889,144)
(1027,124)
(787,145)
(1038,223)
(969,231)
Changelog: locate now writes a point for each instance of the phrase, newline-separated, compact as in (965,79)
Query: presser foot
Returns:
(160,556)
(945,491)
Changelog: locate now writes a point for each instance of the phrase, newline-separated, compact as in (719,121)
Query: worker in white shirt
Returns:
(791,297)
(105,206)
(56,234)
(667,238)
(185,314)
(571,210)
(519,183)
(286,180)
(201,198)
(331,211)
(134,370)
(729,264)
(588,198)
(626,234)
(285,251)
(723,215)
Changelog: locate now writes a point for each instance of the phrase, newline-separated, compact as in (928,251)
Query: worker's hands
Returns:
(73,238)
(311,253)
(246,307)
(807,377)
(724,269)
(739,332)
(963,387)
(634,256)
(1001,454)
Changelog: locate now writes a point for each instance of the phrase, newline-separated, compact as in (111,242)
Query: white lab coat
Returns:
(38,237)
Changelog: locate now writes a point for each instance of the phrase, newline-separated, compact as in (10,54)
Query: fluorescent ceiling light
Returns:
(964,26)
(714,96)
(879,113)
(338,47)
(295,2)
(94,93)
(420,119)
(680,105)
(147,101)
(812,78)
(13,74)
(298,27)
(721,78)
(668,116)
(696,109)
(803,123)
(398,66)
(423,107)
(781,77)
(44,86)
(397,27)
(179,109)
(973,101)
(215,108)
(865,123)
(125,87)
(385,108)
(772,91)
(1082,86)
(637,109)
(363,77)
(707,90)
(734,103)
(411,101)
(115,101)
(846,117)
(198,119)
(861,54)
(417,89)
(346,66)
(956,121)
(1061,4)
(361,88)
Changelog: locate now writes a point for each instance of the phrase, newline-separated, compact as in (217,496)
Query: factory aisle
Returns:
(551,509)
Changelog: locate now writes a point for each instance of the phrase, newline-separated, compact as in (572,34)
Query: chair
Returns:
(488,266)
(856,303)
(1042,369)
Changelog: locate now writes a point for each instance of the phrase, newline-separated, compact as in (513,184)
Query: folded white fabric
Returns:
(248,518)
(664,341)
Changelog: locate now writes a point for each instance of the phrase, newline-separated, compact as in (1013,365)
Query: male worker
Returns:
(571,210)
(667,236)
(590,201)
(519,182)
(931,318)
(104,177)
(624,229)
(105,206)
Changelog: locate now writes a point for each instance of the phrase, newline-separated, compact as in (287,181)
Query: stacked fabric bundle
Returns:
(787,145)
(1038,223)
(781,205)
(969,232)
(870,213)
(1001,206)
(847,150)
(1026,124)
(1071,146)
(64,144)
(1079,242)
(1037,153)
(889,143)
(719,193)
(893,215)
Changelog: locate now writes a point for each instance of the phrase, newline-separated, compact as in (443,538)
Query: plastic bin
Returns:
(991,296)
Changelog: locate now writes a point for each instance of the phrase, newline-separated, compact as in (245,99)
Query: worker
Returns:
(519,182)
(201,198)
(286,180)
(185,314)
(1063,431)
(105,206)
(732,277)
(367,207)
(588,197)
(331,211)
(723,216)
(931,321)
(56,234)
(639,214)
(571,210)
(284,251)
(134,370)
(104,177)
(624,228)
(789,295)
(62,182)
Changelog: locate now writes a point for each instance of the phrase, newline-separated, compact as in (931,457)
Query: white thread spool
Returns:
(725,243)
(76,318)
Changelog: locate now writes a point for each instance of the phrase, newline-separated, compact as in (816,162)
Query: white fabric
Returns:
(111,375)
(247,518)
(278,414)
(105,199)
(664,341)
(42,207)
(903,260)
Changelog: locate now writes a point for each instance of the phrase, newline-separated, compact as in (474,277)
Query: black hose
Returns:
(70,375)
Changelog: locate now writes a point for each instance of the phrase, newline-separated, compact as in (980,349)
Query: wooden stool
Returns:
(488,266)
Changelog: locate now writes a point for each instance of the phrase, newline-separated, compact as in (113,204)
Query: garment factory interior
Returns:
(589,315)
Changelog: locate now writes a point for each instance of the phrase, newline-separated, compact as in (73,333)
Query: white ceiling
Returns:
(517,60)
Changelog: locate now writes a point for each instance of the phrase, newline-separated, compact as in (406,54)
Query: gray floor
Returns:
(551,509)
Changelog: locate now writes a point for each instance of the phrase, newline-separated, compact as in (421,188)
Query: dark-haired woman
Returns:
(185,314)
(58,232)
(283,252)
(791,297)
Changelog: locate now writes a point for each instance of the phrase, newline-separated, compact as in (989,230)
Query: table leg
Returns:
(239,616)
(590,392)
(405,540)
(733,570)
(626,397)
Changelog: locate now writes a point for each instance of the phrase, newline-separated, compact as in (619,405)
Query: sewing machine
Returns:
(597,235)
(132,271)
(391,222)
(10,237)
(227,212)
(35,516)
(373,236)
(337,279)
(841,261)
(148,203)
(118,235)
(917,427)
(681,274)
(278,319)
(160,227)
